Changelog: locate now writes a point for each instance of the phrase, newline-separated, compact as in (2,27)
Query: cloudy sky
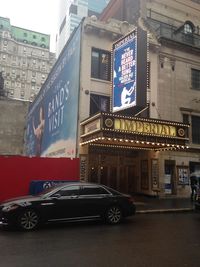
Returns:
(36,15)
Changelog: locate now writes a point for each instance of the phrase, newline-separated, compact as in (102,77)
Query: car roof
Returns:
(77,183)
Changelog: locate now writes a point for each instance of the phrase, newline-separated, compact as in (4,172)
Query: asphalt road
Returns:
(147,240)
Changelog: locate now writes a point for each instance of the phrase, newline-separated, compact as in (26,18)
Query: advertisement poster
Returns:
(51,129)
(168,185)
(183,175)
(124,72)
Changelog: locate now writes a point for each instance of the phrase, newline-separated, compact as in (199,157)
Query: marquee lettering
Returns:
(144,127)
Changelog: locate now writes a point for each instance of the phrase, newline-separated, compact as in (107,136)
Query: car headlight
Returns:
(10,208)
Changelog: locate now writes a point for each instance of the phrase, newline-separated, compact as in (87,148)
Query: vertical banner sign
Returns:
(124,72)
(52,118)
(83,168)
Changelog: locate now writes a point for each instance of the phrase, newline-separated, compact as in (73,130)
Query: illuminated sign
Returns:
(145,127)
(120,131)
(92,127)
(124,72)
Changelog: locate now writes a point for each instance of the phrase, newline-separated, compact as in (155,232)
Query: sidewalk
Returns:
(156,205)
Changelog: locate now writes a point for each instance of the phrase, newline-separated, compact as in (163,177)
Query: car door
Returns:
(94,200)
(66,203)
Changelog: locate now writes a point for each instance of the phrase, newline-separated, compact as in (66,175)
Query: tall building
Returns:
(97,6)
(71,14)
(25,60)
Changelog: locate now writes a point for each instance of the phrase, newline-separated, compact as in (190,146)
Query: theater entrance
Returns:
(116,171)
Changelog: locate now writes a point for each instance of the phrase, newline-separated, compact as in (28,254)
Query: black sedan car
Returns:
(66,202)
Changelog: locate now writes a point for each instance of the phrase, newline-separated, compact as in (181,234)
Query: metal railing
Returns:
(173,33)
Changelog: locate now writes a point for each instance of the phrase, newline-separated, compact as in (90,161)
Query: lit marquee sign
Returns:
(124,72)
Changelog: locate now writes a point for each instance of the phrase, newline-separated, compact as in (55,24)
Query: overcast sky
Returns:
(35,15)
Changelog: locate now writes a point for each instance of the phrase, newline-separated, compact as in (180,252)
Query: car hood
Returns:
(19,200)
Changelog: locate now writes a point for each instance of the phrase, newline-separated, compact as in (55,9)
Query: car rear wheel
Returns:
(28,220)
(113,215)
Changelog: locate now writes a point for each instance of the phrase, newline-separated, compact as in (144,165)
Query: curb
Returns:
(164,210)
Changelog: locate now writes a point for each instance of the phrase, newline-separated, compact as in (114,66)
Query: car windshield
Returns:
(113,191)
(47,191)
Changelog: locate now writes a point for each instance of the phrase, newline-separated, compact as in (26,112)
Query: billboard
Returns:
(51,129)
(129,62)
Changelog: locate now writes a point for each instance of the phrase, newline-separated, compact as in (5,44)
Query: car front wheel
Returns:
(113,215)
(28,220)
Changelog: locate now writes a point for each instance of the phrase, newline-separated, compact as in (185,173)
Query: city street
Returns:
(146,240)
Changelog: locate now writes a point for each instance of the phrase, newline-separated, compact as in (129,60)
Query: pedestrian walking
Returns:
(194,187)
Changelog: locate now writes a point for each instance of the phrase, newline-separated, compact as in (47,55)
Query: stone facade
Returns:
(12,121)
(174,90)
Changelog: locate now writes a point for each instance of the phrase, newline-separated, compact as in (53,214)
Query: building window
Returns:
(188,29)
(194,122)
(195,77)
(11,92)
(100,65)
(99,103)
(33,74)
(186,118)
(62,25)
(73,9)
(22,93)
(195,129)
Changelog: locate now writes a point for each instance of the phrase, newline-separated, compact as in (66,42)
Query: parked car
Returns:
(66,202)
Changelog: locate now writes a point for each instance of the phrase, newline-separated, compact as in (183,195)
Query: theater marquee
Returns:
(131,132)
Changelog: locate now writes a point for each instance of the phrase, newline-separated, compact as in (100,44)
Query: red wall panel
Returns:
(18,172)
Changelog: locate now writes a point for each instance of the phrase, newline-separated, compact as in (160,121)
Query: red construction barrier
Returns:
(18,172)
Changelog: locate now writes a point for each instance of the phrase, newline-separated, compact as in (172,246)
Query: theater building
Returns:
(173,88)
(124,101)
(124,146)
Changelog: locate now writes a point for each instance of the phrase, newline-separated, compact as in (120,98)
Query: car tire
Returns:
(28,220)
(113,215)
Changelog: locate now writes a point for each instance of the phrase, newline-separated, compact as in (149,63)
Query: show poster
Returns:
(51,129)
(124,72)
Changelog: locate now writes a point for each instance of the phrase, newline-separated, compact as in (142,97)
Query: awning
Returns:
(111,130)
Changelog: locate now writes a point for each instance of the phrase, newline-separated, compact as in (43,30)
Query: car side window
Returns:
(69,191)
(93,190)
